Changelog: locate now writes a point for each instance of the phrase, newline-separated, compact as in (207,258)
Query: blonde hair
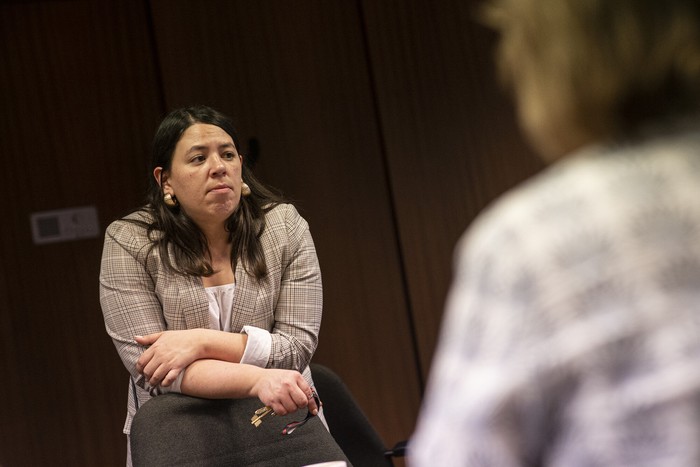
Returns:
(588,70)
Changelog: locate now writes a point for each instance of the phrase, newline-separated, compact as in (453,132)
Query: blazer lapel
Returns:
(193,302)
(244,300)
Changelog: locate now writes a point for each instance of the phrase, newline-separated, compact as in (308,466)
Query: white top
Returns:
(257,351)
(220,306)
(259,346)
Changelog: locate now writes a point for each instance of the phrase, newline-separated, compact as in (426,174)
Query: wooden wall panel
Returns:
(79,103)
(450,134)
(380,118)
(294,76)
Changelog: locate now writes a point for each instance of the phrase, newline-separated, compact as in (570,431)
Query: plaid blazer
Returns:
(139,296)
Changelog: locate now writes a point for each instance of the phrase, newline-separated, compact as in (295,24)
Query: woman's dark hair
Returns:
(172,231)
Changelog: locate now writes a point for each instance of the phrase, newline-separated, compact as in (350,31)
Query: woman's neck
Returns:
(218,244)
(220,260)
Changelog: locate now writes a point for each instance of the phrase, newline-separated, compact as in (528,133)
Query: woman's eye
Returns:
(229,156)
(198,158)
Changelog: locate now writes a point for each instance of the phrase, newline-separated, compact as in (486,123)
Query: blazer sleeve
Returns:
(299,306)
(130,306)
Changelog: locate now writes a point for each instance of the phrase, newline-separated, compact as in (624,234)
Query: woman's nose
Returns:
(218,166)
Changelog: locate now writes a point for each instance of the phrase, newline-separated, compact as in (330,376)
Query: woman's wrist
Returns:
(216,379)
(220,345)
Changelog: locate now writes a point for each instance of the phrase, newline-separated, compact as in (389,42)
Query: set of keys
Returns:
(256,419)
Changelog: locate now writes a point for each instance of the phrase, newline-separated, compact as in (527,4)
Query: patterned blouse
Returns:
(572,330)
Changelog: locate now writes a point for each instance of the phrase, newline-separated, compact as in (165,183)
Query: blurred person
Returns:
(213,288)
(571,335)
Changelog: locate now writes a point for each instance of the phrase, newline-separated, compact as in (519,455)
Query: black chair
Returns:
(175,429)
(348,424)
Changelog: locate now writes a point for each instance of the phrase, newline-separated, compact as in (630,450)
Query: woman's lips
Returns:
(220,189)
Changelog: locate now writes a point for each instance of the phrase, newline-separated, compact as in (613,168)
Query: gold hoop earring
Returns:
(245,189)
(169,200)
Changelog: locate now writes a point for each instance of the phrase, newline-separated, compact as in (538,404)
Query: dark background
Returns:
(380,118)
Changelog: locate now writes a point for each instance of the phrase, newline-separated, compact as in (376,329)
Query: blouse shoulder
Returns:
(284,214)
(130,230)
(283,223)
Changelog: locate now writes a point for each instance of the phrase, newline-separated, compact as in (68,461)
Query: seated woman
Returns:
(213,288)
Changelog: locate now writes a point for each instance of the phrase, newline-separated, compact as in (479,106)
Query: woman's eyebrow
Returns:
(202,147)
(195,148)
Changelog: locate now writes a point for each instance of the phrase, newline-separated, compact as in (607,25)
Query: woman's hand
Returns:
(285,391)
(168,353)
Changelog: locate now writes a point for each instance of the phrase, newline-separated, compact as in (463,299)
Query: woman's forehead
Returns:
(204,134)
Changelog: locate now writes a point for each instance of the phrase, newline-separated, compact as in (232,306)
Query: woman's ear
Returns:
(160,176)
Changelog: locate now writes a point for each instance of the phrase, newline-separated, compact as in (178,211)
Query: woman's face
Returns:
(205,175)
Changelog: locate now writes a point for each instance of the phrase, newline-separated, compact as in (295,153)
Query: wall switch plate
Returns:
(64,224)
